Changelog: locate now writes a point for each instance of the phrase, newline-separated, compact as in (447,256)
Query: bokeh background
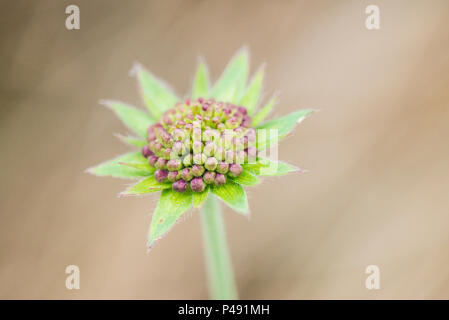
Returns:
(377,153)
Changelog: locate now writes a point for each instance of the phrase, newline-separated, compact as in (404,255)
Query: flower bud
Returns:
(235,170)
(222,167)
(161,163)
(179,186)
(197,170)
(199,158)
(197,185)
(188,159)
(173,176)
(197,147)
(161,175)
(186,174)
(211,164)
(220,179)
(230,156)
(209,177)
(146,152)
(174,165)
(209,149)
(152,160)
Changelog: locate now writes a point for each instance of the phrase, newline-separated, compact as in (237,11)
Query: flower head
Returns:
(211,144)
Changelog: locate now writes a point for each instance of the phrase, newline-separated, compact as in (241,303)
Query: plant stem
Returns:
(218,260)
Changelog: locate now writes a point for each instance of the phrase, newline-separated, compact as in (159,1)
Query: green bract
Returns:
(208,145)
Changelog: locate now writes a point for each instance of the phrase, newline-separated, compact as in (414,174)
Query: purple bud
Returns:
(211,164)
(152,160)
(186,174)
(222,167)
(173,176)
(242,110)
(220,179)
(252,154)
(161,163)
(146,152)
(179,186)
(161,175)
(174,165)
(209,177)
(151,133)
(235,170)
(197,170)
(197,185)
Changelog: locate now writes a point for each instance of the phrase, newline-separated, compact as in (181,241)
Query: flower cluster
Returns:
(200,142)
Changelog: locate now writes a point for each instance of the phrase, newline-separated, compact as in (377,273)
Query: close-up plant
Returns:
(200,149)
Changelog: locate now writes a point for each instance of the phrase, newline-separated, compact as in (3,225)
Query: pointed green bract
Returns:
(200,197)
(135,119)
(283,125)
(170,207)
(158,97)
(235,74)
(267,167)
(133,141)
(144,186)
(201,82)
(250,98)
(113,168)
(141,166)
(246,178)
(263,113)
(232,194)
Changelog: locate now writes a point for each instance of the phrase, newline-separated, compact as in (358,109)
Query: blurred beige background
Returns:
(377,153)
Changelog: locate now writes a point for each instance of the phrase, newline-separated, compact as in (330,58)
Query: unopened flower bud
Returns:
(211,164)
(197,185)
(146,152)
(173,176)
(179,186)
(222,167)
(197,170)
(188,159)
(197,147)
(161,163)
(199,158)
(209,177)
(161,175)
(174,165)
(220,179)
(235,170)
(152,160)
(186,174)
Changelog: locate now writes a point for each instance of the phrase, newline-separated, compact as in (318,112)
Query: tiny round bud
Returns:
(220,179)
(230,156)
(152,160)
(174,164)
(161,163)
(186,174)
(146,152)
(222,167)
(161,175)
(187,161)
(197,147)
(209,177)
(179,186)
(197,185)
(173,176)
(199,158)
(211,164)
(209,149)
(197,170)
(235,170)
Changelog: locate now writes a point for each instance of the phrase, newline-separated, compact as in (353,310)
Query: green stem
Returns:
(218,260)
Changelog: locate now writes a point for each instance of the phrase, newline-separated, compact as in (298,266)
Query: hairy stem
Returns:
(218,260)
